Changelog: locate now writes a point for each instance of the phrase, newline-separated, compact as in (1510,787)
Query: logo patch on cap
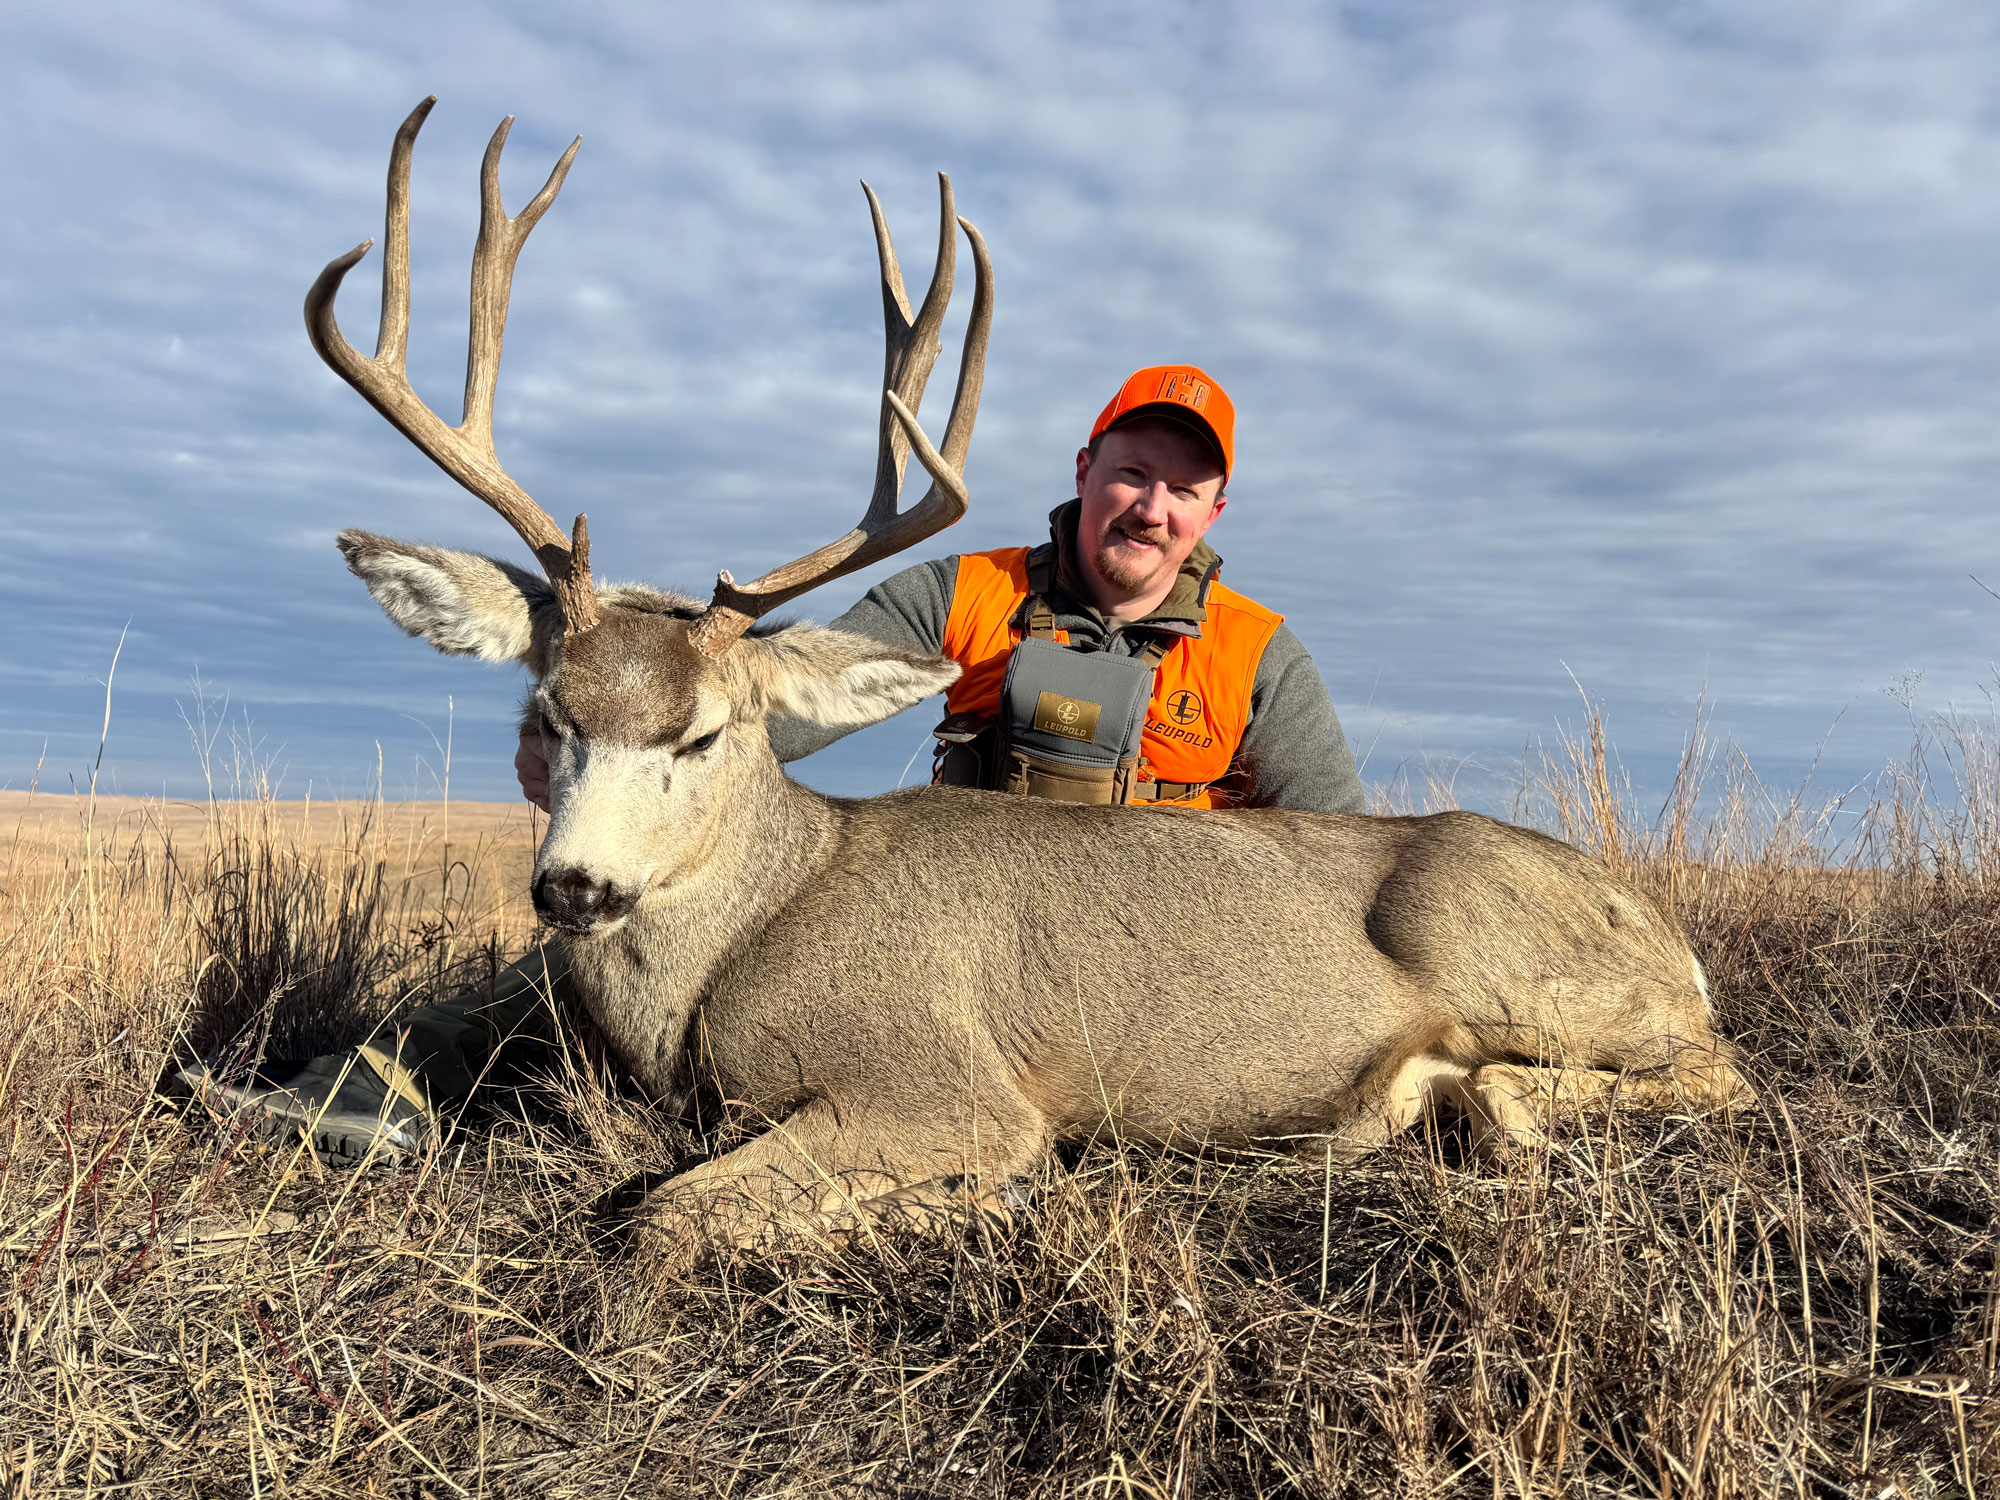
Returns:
(1184,390)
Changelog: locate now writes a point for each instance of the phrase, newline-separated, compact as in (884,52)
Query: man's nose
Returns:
(1152,503)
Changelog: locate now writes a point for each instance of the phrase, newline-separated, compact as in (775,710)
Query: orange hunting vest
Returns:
(1201,690)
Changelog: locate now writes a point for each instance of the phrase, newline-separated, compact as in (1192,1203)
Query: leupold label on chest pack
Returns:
(1072,718)
(1077,708)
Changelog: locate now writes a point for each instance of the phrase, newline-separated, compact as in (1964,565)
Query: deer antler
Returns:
(465,452)
(913,349)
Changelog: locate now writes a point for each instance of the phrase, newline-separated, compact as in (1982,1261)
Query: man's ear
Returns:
(833,678)
(461,602)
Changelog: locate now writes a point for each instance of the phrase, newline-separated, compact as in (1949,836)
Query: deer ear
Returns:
(834,678)
(462,603)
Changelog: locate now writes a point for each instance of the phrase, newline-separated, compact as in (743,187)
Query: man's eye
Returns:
(695,747)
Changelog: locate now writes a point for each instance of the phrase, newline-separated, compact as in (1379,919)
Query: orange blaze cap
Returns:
(1200,403)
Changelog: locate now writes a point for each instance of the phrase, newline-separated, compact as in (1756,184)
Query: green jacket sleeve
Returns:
(1294,753)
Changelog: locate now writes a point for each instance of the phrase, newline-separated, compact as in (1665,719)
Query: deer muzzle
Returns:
(574,900)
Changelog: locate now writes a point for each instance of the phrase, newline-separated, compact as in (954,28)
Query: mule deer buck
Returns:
(921,991)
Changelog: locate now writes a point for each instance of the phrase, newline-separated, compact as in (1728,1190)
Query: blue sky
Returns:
(1646,347)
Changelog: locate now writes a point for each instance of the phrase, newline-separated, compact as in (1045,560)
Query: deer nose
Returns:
(576,899)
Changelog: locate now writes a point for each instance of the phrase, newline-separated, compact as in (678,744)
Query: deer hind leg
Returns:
(1395,1102)
(1707,1077)
(1509,1105)
(1668,1054)
(824,1173)
(1512,1104)
(1688,1067)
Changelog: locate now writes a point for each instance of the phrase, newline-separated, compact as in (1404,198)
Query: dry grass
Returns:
(1801,1300)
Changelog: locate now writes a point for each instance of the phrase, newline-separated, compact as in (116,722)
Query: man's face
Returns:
(1150,494)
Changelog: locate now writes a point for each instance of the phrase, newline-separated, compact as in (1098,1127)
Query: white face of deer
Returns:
(646,737)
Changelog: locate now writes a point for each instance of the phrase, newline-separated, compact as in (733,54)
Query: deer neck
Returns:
(643,981)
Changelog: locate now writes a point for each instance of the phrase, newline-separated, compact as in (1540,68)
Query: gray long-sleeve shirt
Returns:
(1293,753)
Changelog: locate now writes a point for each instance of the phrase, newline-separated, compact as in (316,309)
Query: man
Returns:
(1108,665)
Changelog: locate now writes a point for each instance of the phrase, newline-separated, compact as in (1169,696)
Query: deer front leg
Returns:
(822,1172)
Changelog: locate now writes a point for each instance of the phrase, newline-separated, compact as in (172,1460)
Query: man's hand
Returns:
(532,769)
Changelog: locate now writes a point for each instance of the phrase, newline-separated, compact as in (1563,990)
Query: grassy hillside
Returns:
(1803,1299)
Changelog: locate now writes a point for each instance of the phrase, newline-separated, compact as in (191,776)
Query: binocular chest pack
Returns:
(1069,728)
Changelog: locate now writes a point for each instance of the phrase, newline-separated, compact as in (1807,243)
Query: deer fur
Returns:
(922,991)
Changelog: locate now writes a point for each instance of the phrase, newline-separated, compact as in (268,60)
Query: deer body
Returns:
(935,944)
(917,993)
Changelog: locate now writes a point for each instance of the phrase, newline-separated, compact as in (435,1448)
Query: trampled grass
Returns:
(1802,1299)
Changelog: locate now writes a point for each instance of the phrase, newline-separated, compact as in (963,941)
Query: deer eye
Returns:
(695,747)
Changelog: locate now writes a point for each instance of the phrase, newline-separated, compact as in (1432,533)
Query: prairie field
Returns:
(1800,1298)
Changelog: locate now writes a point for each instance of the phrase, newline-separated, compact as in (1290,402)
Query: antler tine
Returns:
(393,335)
(493,256)
(884,531)
(911,346)
(464,452)
(972,362)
